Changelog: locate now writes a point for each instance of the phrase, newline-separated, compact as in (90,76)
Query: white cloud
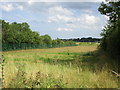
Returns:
(64,29)
(89,22)
(87,11)
(85,18)
(10,7)
(84,21)
(61,18)
(59,14)
(72,25)
(90,19)
(59,10)
(20,7)
(30,2)
(7,7)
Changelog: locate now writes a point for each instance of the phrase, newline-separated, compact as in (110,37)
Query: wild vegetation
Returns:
(66,67)
(81,66)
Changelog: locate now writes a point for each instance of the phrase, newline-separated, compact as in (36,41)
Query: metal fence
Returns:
(8,47)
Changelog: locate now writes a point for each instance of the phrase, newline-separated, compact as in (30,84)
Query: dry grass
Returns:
(72,76)
(57,50)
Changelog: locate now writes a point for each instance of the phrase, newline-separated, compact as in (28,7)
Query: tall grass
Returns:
(67,67)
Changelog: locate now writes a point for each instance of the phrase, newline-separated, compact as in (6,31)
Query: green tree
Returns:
(47,39)
(111,32)
(20,36)
(54,43)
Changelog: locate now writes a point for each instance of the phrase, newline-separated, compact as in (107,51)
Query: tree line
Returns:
(89,39)
(20,36)
(111,33)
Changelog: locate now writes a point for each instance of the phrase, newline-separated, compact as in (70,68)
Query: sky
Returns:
(57,19)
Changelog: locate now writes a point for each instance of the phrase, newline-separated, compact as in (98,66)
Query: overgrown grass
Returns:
(67,67)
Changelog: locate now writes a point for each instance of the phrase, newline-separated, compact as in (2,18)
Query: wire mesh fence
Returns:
(8,47)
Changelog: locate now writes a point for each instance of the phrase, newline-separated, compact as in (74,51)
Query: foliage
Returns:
(111,33)
(20,36)
(41,80)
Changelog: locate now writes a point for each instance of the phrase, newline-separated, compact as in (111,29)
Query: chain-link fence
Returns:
(7,47)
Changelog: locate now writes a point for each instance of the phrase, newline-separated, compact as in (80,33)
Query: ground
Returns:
(65,67)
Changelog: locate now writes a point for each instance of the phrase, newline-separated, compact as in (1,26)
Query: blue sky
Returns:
(57,19)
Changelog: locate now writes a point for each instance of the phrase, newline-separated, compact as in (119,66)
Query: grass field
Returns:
(65,67)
